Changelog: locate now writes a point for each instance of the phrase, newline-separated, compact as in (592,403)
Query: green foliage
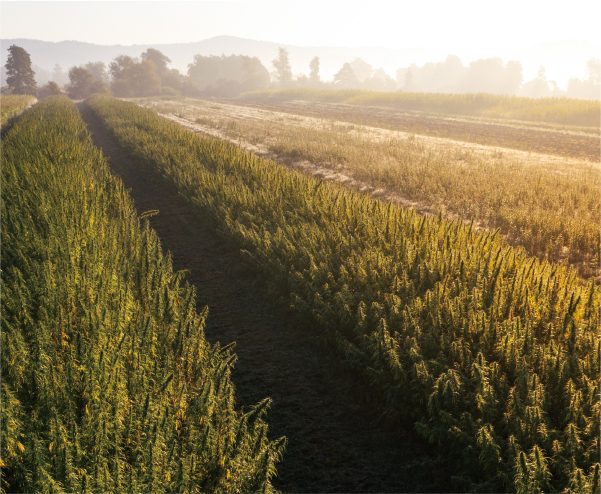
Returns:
(493,354)
(20,77)
(108,384)
(568,111)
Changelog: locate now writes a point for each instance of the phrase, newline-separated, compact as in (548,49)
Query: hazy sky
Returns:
(462,27)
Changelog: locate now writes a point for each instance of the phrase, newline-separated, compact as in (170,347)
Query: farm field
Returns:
(108,383)
(537,137)
(545,112)
(337,442)
(558,218)
(491,354)
(11,106)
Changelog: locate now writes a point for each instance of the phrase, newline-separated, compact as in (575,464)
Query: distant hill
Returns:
(46,54)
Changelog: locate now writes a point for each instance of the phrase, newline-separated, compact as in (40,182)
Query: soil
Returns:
(337,439)
(490,134)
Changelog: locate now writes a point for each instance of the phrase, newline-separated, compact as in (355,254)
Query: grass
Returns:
(567,111)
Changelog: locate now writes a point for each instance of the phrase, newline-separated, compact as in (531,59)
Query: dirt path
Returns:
(336,442)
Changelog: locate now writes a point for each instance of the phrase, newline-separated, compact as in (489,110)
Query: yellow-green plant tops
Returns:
(493,354)
(108,384)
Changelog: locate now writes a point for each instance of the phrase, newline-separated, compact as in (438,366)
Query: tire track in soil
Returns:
(336,441)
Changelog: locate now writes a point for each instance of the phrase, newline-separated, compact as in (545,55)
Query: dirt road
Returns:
(337,442)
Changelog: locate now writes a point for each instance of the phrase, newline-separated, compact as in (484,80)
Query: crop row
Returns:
(108,384)
(566,111)
(492,354)
(549,206)
(11,106)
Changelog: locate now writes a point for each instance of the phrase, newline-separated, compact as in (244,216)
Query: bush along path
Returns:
(108,383)
(492,354)
(337,440)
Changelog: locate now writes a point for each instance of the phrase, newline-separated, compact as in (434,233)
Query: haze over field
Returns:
(386,35)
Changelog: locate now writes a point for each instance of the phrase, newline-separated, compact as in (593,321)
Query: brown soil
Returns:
(490,134)
(337,441)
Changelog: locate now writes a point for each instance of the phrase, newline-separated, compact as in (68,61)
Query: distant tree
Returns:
(409,83)
(361,69)
(282,68)
(314,74)
(20,76)
(593,70)
(49,89)
(249,73)
(143,78)
(119,66)
(81,81)
(99,71)
(58,76)
(345,77)
(160,60)
(134,77)
(590,88)
(537,87)
(380,81)
(172,79)
(189,87)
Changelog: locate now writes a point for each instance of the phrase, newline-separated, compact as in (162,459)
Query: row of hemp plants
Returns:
(108,383)
(494,355)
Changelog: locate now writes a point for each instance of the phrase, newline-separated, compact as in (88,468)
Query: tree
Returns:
(98,70)
(144,79)
(50,89)
(20,76)
(119,65)
(282,68)
(159,59)
(249,72)
(81,82)
(361,69)
(345,77)
(314,74)
(134,77)
(59,76)
(593,70)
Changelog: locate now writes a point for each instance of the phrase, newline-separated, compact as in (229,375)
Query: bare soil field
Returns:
(581,143)
(337,440)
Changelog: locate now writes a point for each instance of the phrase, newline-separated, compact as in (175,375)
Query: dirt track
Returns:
(336,441)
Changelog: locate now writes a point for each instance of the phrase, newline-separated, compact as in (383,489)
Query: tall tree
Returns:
(20,76)
(314,66)
(159,59)
(81,82)
(361,69)
(98,70)
(345,77)
(282,68)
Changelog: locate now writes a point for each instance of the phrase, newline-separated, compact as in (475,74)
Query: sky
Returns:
(469,29)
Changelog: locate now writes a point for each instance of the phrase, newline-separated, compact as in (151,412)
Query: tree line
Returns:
(229,76)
